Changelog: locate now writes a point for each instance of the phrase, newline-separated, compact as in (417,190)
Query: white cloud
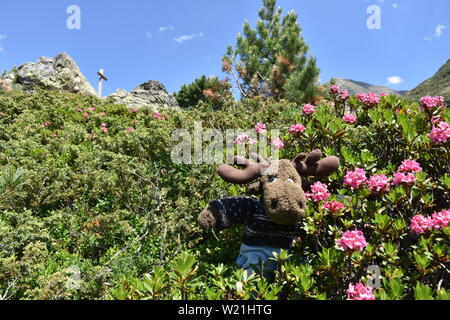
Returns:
(166,28)
(395,80)
(438,31)
(181,39)
(395,5)
(149,35)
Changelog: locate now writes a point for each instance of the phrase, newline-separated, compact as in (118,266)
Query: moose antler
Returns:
(251,172)
(311,165)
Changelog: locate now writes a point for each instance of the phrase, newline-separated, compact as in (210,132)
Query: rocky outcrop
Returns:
(58,73)
(151,94)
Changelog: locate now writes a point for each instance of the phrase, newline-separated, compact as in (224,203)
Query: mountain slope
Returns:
(354,87)
(437,85)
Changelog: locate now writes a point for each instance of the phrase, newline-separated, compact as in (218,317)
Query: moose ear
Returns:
(311,165)
(254,188)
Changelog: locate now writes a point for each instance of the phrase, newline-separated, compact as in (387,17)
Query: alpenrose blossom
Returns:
(260,128)
(244,138)
(420,224)
(352,241)
(334,89)
(308,109)
(319,192)
(355,179)
(333,206)
(369,99)
(344,94)
(404,178)
(378,183)
(441,219)
(157,115)
(277,143)
(360,292)
(430,103)
(130,130)
(349,118)
(410,166)
(440,133)
(297,128)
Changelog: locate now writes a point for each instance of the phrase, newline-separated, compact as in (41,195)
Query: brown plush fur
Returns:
(206,219)
(284,199)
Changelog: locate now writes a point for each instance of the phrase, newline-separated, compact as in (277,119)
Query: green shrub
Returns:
(115,206)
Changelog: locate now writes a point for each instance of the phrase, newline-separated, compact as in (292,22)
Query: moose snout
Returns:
(284,201)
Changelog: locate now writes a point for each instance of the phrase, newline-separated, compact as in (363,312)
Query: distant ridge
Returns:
(354,87)
(437,85)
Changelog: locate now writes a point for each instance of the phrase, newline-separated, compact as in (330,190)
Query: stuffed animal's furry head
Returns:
(280,182)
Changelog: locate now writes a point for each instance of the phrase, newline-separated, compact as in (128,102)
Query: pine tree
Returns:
(210,91)
(272,59)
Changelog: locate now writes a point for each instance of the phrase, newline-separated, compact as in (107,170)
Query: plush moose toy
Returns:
(273,220)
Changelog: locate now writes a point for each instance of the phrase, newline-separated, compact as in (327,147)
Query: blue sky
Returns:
(176,41)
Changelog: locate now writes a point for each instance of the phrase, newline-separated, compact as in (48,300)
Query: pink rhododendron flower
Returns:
(403,178)
(353,240)
(156,115)
(333,206)
(344,94)
(420,224)
(355,179)
(319,192)
(441,219)
(308,109)
(440,133)
(429,103)
(80,110)
(86,115)
(383,94)
(91,109)
(349,118)
(378,183)
(130,130)
(134,110)
(260,128)
(104,129)
(410,166)
(360,292)
(244,138)
(104,125)
(278,143)
(334,89)
(369,99)
(297,128)
(103,113)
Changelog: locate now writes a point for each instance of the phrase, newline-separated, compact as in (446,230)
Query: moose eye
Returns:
(273,179)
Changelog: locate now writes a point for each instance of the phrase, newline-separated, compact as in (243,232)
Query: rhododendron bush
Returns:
(89,187)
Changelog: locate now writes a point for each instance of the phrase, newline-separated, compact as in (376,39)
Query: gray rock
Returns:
(152,94)
(58,73)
